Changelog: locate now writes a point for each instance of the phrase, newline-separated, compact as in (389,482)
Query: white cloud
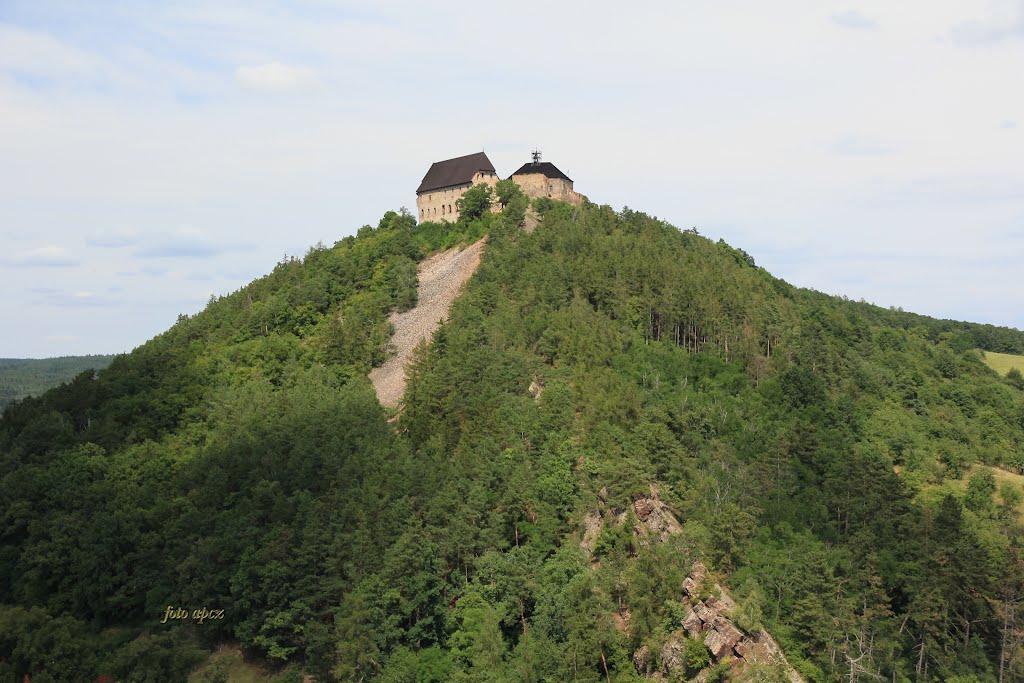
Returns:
(37,54)
(49,297)
(853,19)
(855,145)
(1005,21)
(186,243)
(275,77)
(49,256)
(113,239)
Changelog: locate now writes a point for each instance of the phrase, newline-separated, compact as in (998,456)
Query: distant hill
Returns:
(21,377)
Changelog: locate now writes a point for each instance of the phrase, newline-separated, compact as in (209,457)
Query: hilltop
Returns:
(621,427)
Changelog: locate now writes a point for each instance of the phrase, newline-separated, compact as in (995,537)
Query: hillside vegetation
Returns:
(21,377)
(241,462)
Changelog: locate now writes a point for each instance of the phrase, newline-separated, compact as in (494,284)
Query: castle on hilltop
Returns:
(446,181)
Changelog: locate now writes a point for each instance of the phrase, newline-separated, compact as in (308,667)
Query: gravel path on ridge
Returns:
(441,278)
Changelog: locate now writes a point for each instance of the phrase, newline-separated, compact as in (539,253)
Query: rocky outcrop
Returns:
(654,516)
(707,605)
(708,619)
(642,659)
(536,388)
(673,655)
(693,624)
(654,519)
(692,583)
(722,637)
(591,530)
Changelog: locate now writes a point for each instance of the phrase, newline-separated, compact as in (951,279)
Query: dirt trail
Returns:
(441,278)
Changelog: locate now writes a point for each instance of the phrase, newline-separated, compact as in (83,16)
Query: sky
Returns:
(153,154)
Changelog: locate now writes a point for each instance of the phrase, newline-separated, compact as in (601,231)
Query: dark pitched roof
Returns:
(457,171)
(545,167)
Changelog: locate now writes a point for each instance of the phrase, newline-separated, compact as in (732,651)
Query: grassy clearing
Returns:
(934,492)
(1002,477)
(1002,362)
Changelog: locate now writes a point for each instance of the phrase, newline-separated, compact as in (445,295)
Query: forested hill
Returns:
(21,377)
(831,462)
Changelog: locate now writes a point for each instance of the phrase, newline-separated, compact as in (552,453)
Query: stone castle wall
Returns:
(441,205)
(536,185)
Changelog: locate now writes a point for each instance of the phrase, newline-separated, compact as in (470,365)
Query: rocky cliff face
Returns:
(709,620)
(707,607)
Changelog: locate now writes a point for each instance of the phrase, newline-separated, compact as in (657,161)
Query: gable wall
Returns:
(539,185)
(440,205)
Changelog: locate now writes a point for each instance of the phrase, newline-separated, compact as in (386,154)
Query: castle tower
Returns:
(543,179)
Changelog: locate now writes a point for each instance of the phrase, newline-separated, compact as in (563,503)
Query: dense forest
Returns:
(830,461)
(21,377)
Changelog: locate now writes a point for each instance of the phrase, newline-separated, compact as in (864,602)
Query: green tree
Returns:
(477,645)
(696,655)
(475,202)
(749,615)
(980,489)
(508,191)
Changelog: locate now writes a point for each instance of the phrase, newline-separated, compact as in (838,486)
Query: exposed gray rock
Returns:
(692,624)
(706,614)
(767,644)
(724,602)
(717,643)
(591,530)
(642,659)
(536,389)
(673,655)
(708,619)
(655,517)
(728,631)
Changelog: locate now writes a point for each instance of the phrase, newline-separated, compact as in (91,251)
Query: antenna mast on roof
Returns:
(536,157)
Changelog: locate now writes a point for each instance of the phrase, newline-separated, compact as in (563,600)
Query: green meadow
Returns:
(1002,362)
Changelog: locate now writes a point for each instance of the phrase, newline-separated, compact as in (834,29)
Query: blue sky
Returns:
(154,153)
